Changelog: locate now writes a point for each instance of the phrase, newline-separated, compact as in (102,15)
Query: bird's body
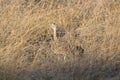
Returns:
(60,32)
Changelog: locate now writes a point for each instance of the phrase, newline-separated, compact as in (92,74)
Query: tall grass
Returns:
(92,24)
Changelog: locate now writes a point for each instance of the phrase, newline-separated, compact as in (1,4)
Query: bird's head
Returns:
(53,26)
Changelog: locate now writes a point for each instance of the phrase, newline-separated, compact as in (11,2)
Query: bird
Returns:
(58,31)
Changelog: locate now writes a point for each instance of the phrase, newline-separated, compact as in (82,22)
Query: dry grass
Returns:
(27,48)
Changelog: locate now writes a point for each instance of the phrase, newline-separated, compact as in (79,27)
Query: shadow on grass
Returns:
(80,69)
(76,72)
(4,75)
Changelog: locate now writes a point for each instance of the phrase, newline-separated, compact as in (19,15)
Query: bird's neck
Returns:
(55,37)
